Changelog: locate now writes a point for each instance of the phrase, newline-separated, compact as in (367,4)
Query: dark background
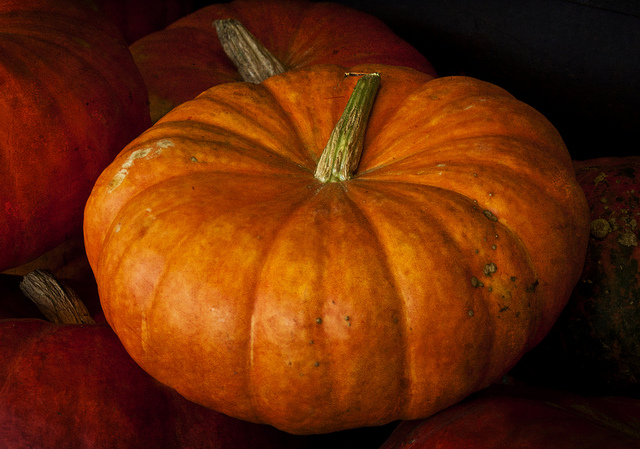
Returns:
(576,61)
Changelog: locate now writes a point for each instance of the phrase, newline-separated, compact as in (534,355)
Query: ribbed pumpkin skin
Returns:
(594,347)
(71,99)
(186,58)
(230,273)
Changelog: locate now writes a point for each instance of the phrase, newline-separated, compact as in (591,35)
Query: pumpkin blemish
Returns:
(599,178)
(476,282)
(138,154)
(532,287)
(600,228)
(489,269)
(628,239)
(487,213)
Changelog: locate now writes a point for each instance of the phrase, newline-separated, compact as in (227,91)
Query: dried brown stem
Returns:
(58,302)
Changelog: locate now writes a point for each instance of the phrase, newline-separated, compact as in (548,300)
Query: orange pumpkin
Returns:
(71,99)
(235,276)
(186,58)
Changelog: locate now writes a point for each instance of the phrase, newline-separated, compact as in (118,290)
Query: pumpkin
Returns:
(72,99)
(71,385)
(66,261)
(187,57)
(138,18)
(594,346)
(240,268)
(507,417)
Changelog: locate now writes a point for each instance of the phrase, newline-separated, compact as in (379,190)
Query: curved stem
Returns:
(341,155)
(57,302)
(254,62)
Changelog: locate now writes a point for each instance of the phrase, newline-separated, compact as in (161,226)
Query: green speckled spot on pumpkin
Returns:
(600,228)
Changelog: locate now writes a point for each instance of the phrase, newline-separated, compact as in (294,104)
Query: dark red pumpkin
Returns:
(74,386)
(595,345)
(137,18)
(187,58)
(66,261)
(520,417)
(71,99)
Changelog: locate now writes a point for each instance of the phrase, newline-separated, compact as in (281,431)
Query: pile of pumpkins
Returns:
(272,224)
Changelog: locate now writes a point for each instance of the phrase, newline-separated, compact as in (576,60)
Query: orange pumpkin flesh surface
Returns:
(186,58)
(233,275)
(71,99)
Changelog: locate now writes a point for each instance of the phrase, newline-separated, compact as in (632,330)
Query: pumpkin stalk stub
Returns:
(254,62)
(341,155)
(58,303)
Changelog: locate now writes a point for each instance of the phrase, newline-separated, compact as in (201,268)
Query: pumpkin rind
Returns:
(230,273)
(74,386)
(594,346)
(505,417)
(72,98)
(186,58)
(136,19)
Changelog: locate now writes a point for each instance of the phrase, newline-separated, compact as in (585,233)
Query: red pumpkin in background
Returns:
(137,18)
(594,348)
(521,417)
(71,385)
(66,261)
(187,58)
(71,99)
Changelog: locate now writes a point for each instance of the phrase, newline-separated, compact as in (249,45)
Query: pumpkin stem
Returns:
(341,156)
(57,302)
(254,62)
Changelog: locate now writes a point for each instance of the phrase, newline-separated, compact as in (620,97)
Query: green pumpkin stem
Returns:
(57,302)
(341,156)
(254,62)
